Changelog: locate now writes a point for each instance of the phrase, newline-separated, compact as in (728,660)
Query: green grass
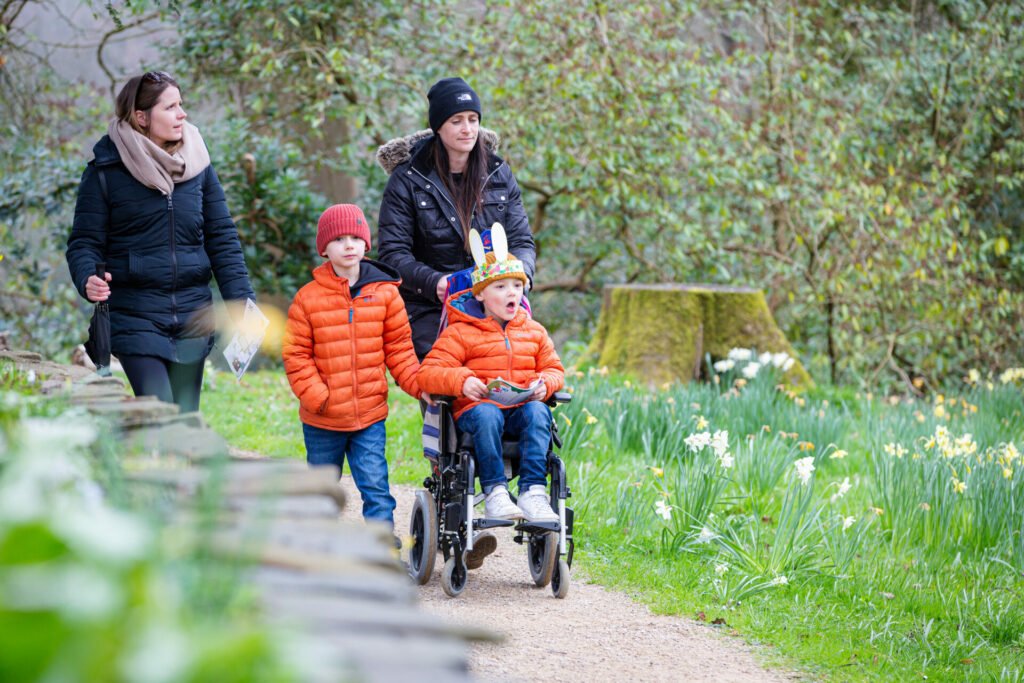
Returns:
(902,577)
(260,414)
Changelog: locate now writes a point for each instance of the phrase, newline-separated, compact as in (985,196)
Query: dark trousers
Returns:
(171,382)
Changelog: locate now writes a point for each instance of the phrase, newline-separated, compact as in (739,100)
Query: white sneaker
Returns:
(536,505)
(498,505)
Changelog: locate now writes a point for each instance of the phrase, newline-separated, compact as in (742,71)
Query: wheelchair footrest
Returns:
(484,523)
(539,527)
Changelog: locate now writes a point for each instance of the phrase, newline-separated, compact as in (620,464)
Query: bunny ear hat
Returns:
(496,265)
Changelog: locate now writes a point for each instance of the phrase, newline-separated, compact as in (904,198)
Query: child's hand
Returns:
(540,392)
(428,398)
(474,389)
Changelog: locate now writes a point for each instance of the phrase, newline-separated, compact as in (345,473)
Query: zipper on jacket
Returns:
(487,180)
(174,263)
(355,365)
(508,347)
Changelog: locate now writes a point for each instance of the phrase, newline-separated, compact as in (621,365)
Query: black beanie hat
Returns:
(448,97)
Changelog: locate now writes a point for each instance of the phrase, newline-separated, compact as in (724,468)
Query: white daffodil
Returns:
(725,460)
(740,354)
(780,581)
(804,467)
(844,488)
(721,568)
(720,442)
(706,535)
(765,358)
(663,510)
(724,365)
(751,370)
(698,441)
(848,522)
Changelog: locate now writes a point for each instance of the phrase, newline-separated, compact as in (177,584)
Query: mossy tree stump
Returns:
(662,332)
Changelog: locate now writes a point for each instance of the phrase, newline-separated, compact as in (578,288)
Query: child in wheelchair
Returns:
(489,336)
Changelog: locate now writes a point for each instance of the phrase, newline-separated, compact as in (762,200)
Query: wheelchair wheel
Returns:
(542,553)
(423,529)
(453,578)
(560,580)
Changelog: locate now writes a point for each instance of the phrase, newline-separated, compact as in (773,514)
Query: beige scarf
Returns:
(151,164)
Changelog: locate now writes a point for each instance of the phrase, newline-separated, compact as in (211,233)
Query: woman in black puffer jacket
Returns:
(443,182)
(150,206)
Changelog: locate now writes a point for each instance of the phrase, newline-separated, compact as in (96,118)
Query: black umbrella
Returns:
(98,345)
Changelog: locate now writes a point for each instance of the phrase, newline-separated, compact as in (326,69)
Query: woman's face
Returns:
(165,122)
(459,133)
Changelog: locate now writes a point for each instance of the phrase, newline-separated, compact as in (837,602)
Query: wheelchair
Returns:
(443,512)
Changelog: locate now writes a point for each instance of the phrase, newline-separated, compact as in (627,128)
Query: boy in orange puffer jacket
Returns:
(343,328)
(488,336)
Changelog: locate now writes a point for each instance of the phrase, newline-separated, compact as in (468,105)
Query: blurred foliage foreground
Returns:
(861,162)
(91,587)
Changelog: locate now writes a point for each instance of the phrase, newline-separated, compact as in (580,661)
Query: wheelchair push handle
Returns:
(559,397)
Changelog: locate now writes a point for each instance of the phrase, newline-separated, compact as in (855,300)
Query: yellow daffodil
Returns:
(591,420)
(838,454)
(940,412)
(657,471)
(925,506)
(702,423)
(878,511)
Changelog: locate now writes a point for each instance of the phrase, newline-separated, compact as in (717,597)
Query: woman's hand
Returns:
(97,290)
(442,287)
(474,389)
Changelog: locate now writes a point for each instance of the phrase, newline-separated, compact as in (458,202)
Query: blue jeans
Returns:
(365,451)
(530,423)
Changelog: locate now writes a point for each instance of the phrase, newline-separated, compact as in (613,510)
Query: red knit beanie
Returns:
(338,220)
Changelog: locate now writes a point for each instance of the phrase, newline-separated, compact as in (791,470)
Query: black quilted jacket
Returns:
(421,236)
(161,252)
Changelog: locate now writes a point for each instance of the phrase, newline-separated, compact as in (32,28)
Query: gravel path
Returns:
(592,635)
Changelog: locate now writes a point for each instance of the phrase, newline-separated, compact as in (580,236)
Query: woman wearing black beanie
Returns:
(443,182)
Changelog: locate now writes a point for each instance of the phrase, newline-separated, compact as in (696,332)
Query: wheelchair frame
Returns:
(443,515)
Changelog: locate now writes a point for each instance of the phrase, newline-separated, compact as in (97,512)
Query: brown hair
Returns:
(468,191)
(141,93)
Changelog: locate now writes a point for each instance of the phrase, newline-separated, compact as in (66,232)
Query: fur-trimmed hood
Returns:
(395,152)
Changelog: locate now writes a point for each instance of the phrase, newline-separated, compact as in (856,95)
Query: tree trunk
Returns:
(662,332)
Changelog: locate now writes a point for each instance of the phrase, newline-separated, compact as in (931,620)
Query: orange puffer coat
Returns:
(475,345)
(336,346)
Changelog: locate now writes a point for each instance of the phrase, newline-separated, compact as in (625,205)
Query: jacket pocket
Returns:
(495,206)
(193,266)
(150,267)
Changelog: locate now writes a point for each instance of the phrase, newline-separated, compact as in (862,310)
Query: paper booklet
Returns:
(246,342)
(507,394)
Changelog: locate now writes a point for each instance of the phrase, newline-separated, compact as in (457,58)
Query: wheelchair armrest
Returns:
(443,400)
(559,397)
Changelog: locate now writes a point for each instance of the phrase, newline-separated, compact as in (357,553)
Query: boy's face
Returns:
(346,251)
(501,298)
